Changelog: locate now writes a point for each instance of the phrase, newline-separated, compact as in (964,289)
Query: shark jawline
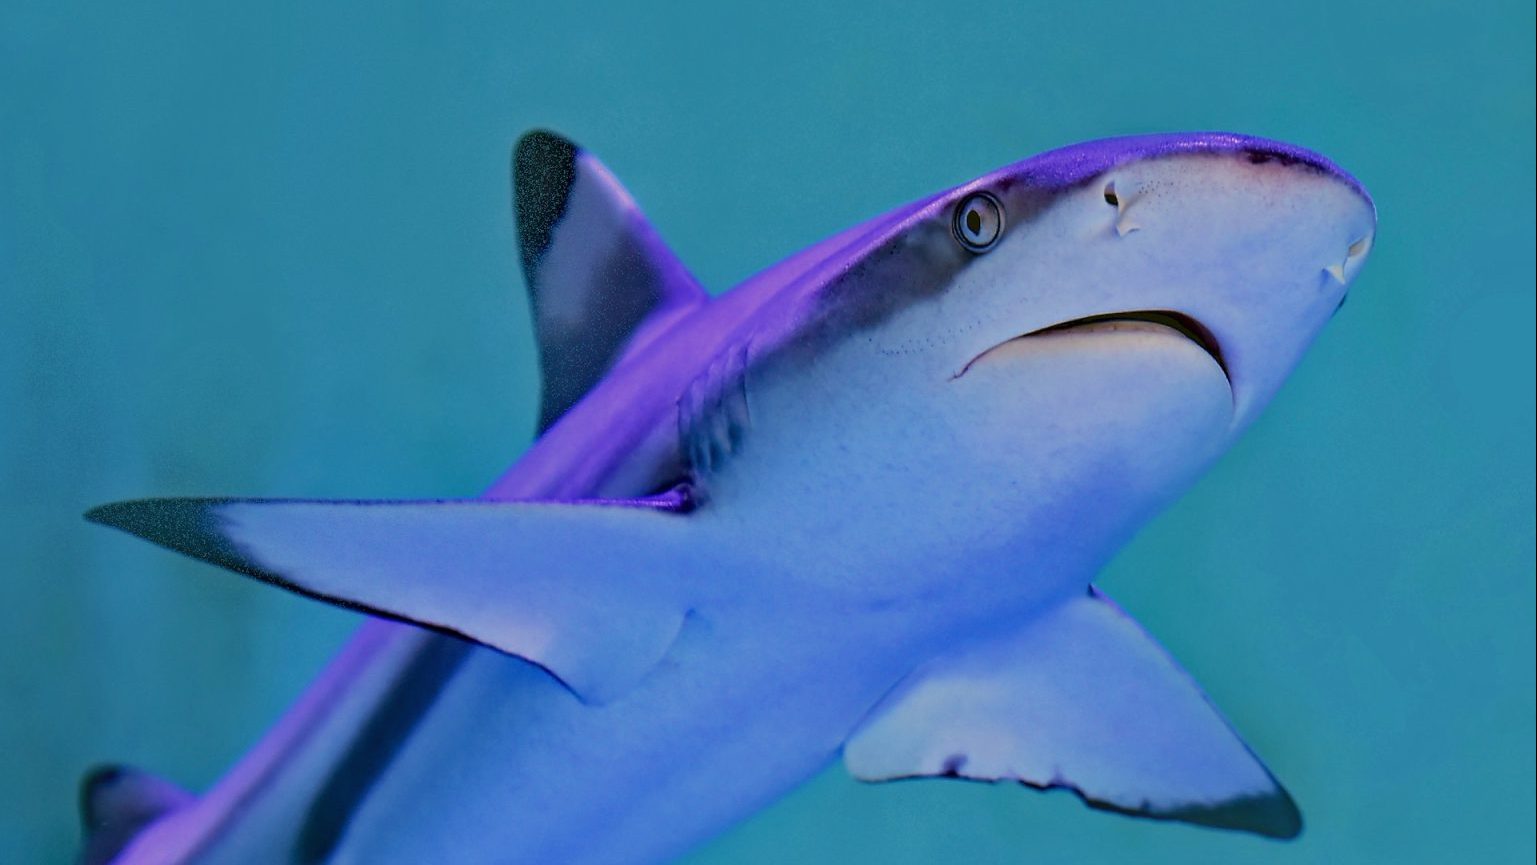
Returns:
(1179,322)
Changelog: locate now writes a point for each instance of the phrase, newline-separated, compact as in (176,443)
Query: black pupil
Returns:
(1110,198)
(974,221)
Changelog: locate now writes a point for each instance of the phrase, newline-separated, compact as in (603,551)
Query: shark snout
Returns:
(1302,228)
(1253,242)
(1347,256)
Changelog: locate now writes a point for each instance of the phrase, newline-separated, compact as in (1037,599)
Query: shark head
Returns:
(1244,246)
(1100,321)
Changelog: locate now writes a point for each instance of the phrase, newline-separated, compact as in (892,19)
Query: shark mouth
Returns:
(1178,322)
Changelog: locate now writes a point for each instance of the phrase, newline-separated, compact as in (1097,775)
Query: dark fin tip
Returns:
(91,784)
(187,526)
(116,803)
(1272,815)
(543,170)
(193,527)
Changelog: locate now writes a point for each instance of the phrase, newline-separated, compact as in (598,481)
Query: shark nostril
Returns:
(1123,225)
(1358,248)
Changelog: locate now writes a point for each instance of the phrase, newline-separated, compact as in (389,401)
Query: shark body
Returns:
(851,507)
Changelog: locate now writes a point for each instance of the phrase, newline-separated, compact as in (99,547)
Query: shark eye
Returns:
(978,222)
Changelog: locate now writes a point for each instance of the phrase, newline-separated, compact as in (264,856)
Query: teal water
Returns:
(266,249)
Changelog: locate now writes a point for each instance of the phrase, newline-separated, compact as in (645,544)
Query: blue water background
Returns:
(265,248)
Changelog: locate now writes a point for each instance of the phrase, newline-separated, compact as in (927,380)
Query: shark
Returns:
(851,509)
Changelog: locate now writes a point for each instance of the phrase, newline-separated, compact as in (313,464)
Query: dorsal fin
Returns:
(115,803)
(596,269)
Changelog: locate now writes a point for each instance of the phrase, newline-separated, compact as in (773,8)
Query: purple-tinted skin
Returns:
(771,305)
(388,754)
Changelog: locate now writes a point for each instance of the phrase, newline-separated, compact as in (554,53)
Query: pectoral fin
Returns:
(591,591)
(1082,699)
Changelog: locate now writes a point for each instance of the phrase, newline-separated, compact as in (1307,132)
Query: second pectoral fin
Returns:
(1081,698)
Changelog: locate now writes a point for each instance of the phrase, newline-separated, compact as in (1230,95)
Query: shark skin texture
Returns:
(850,509)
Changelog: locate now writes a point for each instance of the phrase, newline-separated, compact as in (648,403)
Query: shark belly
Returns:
(725,727)
(255,812)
